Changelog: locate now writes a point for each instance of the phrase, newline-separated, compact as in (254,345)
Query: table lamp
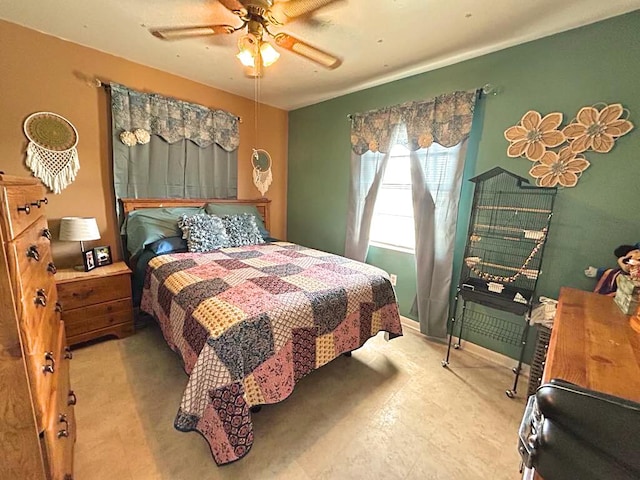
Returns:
(79,229)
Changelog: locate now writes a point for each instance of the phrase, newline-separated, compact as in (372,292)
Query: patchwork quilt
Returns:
(249,322)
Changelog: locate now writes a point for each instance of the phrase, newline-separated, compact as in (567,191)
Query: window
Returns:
(392,225)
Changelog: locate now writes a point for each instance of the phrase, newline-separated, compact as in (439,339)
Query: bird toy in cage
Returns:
(474,262)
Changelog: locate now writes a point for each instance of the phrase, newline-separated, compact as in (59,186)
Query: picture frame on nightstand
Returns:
(102,256)
(89,260)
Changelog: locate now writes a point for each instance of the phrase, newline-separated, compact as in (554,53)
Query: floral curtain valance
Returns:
(172,119)
(445,119)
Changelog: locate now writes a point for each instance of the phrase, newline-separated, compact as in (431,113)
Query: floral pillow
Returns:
(203,232)
(242,229)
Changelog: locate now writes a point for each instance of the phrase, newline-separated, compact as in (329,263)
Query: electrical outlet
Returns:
(394,278)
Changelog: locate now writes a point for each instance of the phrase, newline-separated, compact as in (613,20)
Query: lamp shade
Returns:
(79,229)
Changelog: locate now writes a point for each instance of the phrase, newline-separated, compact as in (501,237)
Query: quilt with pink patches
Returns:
(249,322)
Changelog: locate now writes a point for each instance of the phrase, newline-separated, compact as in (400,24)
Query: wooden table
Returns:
(593,345)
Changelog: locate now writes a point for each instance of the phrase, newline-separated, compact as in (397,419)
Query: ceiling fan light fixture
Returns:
(257,15)
(269,54)
(246,58)
(248,50)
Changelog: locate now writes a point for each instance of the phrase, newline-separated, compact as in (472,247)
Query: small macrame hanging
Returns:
(51,153)
(262,177)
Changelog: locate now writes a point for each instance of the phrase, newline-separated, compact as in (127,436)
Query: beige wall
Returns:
(42,73)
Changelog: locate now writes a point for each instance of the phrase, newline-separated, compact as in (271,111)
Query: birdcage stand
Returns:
(487,325)
(502,262)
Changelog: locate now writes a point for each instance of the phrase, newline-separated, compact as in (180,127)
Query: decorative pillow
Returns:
(242,229)
(203,232)
(222,209)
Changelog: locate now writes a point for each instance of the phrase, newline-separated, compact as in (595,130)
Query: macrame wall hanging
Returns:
(262,177)
(51,153)
(594,128)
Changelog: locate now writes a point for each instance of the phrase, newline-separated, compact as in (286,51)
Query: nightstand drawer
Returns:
(95,317)
(92,291)
(97,303)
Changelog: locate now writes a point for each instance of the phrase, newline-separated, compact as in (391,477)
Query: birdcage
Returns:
(508,229)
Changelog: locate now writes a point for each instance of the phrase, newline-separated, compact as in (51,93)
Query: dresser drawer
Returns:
(30,254)
(22,203)
(37,308)
(60,431)
(95,290)
(43,364)
(99,316)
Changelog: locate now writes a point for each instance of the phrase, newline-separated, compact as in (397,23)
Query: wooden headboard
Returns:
(131,204)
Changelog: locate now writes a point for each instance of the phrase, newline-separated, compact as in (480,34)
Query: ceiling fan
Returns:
(257,16)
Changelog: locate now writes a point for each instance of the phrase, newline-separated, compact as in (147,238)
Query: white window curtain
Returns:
(445,120)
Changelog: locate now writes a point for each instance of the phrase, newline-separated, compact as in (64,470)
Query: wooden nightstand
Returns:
(96,303)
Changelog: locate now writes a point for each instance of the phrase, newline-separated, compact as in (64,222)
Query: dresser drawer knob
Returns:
(38,203)
(32,252)
(68,354)
(41,297)
(71,398)
(65,431)
(49,367)
(46,233)
(26,209)
(52,268)
(58,307)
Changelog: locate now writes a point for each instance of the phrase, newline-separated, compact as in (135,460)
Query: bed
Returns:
(249,322)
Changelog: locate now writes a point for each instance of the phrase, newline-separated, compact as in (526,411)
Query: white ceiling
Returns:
(378,40)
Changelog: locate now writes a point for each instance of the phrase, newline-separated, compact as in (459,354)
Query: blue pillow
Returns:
(242,230)
(222,209)
(168,245)
(145,226)
(203,232)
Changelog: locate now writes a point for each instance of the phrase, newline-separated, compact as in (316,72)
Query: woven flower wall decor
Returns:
(534,134)
(592,129)
(597,130)
(562,168)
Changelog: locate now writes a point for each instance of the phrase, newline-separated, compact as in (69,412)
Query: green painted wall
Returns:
(596,63)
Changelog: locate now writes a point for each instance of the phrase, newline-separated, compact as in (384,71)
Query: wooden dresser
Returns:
(96,303)
(37,424)
(593,345)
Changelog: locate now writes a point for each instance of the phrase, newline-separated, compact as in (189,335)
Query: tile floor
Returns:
(388,412)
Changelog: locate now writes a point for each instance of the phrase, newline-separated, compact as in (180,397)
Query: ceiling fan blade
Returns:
(303,49)
(285,11)
(178,33)
(235,6)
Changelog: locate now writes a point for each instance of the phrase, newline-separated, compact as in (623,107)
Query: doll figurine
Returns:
(628,258)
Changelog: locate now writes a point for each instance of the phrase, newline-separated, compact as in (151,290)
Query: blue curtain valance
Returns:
(173,119)
(445,119)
